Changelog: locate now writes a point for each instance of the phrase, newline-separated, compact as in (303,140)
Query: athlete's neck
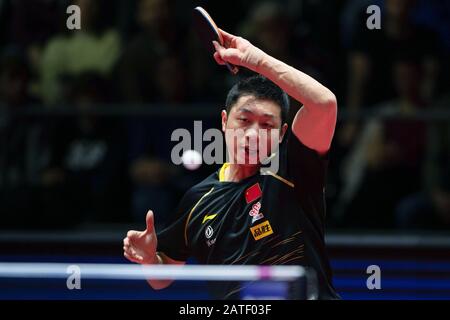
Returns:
(236,172)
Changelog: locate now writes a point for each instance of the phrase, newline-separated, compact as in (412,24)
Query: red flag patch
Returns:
(253,193)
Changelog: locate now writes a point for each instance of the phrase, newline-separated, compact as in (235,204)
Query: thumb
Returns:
(150,222)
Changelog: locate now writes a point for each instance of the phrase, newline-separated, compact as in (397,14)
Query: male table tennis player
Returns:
(238,215)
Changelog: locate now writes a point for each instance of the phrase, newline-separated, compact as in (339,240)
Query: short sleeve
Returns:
(307,170)
(171,240)
(305,167)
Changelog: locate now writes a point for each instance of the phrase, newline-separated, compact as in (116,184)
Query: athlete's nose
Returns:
(251,138)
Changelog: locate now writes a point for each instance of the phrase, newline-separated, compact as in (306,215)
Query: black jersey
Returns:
(274,219)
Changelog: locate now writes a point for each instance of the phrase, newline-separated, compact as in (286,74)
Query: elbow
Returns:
(328,104)
(330,101)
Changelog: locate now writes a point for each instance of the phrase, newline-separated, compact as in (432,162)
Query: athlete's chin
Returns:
(248,162)
(250,165)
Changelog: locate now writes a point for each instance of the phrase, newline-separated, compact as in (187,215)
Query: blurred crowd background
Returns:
(86,115)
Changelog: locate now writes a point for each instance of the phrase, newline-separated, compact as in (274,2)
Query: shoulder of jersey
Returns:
(204,185)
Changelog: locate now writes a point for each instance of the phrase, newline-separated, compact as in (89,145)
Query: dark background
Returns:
(86,115)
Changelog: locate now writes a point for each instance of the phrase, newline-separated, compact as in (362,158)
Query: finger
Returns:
(227,54)
(127,242)
(220,52)
(230,55)
(218,58)
(218,46)
(149,220)
(227,37)
(132,253)
(133,233)
(139,258)
(131,258)
(128,256)
(127,250)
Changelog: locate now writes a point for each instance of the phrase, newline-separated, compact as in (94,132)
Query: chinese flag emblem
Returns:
(253,193)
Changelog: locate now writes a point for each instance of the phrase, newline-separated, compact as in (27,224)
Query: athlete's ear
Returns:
(284,128)
(224,120)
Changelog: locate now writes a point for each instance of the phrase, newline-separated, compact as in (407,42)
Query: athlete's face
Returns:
(253,130)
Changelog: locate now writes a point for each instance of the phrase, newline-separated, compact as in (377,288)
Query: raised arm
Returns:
(315,122)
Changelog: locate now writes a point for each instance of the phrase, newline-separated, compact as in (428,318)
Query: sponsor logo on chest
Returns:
(261,230)
(209,232)
(254,212)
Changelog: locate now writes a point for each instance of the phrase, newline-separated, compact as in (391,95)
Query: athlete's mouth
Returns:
(250,150)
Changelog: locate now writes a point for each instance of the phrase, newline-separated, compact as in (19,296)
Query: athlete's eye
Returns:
(244,120)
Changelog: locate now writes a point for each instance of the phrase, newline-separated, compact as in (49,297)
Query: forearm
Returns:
(160,284)
(295,83)
(298,85)
(314,123)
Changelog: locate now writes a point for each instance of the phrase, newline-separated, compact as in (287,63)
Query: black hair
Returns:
(261,88)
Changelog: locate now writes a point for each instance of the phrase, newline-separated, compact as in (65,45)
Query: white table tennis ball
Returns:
(191,159)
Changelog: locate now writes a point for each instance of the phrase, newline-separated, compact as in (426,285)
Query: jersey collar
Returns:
(222,171)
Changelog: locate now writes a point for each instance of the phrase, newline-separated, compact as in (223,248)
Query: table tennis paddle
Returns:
(208,32)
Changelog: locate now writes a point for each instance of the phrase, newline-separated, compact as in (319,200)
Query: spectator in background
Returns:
(86,177)
(294,32)
(270,28)
(353,12)
(436,16)
(29,22)
(171,81)
(94,48)
(150,68)
(427,210)
(278,31)
(22,152)
(372,56)
(152,184)
(386,162)
(28,25)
